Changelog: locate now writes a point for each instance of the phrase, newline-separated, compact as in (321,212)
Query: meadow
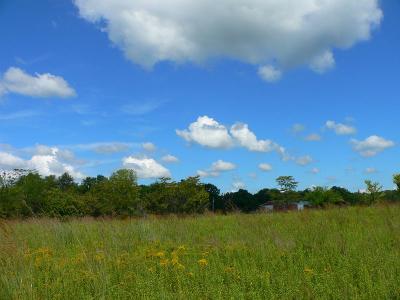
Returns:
(338,253)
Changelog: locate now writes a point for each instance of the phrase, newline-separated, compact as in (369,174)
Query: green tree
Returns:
(396,181)
(287,186)
(118,195)
(33,188)
(65,182)
(287,183)
(191,196)
(214,196)
(374,191)
(320,196)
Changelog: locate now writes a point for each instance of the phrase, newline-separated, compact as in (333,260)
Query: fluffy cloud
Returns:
(216,169)
(371,146)
(110,148)
(204,174)
(370,171)
(150,147)
(265,167)
(323,62)
(222,166)
(340,129)
(269,73)
(104,148)
(207,132)
(314,171)
(9,161)
(237,185)
(145,167)
(45,85)
(246,138)
(169,159)
(304,160)
(45,160)
(296,128)
(313,137)
(286,32)
(2,89)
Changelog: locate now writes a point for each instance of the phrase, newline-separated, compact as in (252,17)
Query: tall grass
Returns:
(335,254)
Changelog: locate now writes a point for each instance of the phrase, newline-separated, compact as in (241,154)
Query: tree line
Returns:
(25,193)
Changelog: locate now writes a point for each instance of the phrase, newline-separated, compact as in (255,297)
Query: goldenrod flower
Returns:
(160,254)
(175,260)
(308,271)
(164,262)
(202,262)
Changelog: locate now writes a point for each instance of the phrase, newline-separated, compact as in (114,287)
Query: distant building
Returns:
(271,206)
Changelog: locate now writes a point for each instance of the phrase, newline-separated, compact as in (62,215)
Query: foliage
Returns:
(25,193)
(374,191)
(287,183)
(396,181)
(320,196)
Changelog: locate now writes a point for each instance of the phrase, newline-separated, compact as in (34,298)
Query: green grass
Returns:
(335,254)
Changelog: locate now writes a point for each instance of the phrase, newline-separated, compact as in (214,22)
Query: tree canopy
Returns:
(24,193)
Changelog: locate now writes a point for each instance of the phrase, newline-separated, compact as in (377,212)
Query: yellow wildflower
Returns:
(203,262)
(160,254)
(175,260)
(164,262)
(308,271)
(99,256)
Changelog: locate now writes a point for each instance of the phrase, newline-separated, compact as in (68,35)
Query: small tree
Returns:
(396,181)
(65,182)
(287,183)
(287,186)
(320,196)
(374,190)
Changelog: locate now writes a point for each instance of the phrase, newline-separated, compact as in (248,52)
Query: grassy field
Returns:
(336,254)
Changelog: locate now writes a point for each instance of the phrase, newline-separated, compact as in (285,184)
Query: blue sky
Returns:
(84,85)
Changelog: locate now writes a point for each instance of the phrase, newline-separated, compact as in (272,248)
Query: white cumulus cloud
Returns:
(296,128)
(145,167)
(288,33)
(323,62)
(269,73)
(246,138)
(10,161)
(222,166)
(265,167)
(370,171)
(315,170)
(210,133)
(340,129)
(371,146)
(45,85)
(150,147)
(217,168)
(207,132)
(313,137)
(45,160)
(170,159)
(237,185)
(304,160)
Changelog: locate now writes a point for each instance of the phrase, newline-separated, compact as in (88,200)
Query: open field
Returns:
(336,253)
